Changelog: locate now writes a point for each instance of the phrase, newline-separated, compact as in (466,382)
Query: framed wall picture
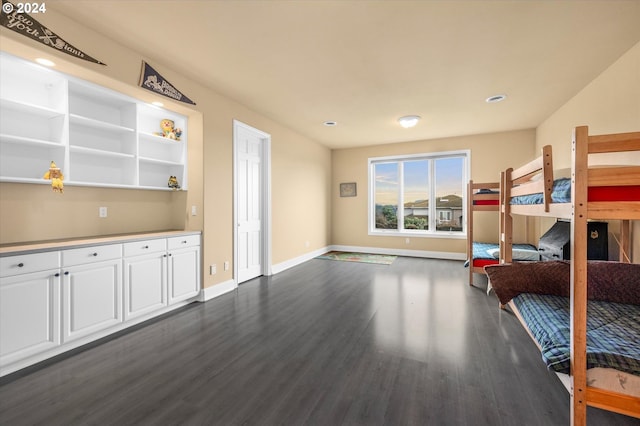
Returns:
(348,189)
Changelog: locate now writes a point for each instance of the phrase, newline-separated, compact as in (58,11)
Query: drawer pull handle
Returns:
(57,274)
(184,242)
(94,254)
(66,272)
(145,247)
(20,265)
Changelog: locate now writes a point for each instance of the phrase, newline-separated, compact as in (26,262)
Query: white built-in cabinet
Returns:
(145,279)
(98,137)
(54,301)
(91,290)
(160,273)
(29,305)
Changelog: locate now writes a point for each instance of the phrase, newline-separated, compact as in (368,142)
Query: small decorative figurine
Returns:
(169,130)
(173,183)
(54,174)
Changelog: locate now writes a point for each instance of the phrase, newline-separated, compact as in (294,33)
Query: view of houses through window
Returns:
(422,194)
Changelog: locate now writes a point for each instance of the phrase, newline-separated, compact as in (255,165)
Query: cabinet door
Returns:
(184,274)
(92,298)
(29,314)
(145,284)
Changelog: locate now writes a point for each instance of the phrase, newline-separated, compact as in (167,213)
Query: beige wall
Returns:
(300,182)
(490,153)
(609,104)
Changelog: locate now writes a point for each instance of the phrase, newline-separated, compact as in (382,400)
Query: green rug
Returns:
(380,259)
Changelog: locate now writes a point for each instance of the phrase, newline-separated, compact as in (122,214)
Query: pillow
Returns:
(516,254)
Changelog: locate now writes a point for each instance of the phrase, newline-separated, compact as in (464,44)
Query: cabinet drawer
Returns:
(137,248)
(84,255)
(27,263)
(184,241)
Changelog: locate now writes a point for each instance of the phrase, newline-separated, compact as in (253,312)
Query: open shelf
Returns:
(98,137)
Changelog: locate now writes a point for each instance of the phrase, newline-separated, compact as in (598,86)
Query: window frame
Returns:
(465,154)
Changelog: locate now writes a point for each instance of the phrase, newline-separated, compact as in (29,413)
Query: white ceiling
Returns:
(366,63)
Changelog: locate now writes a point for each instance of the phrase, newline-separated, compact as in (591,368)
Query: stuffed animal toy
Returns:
(173,183)
(169,130)
(54,174)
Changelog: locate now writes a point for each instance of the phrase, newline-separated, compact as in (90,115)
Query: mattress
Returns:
(561,193)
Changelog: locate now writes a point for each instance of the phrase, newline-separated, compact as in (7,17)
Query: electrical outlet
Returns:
(102,211)
(226,265)
(407,241)
(194,211)
(212,269)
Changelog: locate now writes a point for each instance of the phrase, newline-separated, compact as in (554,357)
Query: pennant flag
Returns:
(150,79)
(16,20)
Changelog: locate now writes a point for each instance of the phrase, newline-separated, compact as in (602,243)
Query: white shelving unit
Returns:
(98,137)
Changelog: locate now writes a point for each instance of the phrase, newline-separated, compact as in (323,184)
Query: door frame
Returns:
(265,240)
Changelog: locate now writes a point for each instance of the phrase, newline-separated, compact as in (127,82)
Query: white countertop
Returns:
(42,246)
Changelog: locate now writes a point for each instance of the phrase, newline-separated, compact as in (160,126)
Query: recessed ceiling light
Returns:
(495,98)
(330,123)
(408,121)
(158,104)
(45,62)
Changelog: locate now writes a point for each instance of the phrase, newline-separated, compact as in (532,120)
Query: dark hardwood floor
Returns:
(324,343)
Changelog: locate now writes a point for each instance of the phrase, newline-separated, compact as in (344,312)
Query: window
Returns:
(420,194)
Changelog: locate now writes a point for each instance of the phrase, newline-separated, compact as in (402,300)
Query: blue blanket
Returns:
(613,332)
(561,193)
(492,250)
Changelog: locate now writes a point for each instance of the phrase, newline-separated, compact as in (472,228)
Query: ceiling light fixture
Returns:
(330,123)
(157,103)
(495,98)
(45,62)
(408,121)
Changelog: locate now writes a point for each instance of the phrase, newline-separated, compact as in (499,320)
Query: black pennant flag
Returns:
(26,25)
(150,79)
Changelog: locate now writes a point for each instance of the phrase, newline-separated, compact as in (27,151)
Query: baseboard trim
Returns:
(403,252)
(217,290)
(298,260)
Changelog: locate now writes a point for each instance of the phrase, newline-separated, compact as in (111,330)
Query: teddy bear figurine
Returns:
(173,183)
(54,174)
(169,130)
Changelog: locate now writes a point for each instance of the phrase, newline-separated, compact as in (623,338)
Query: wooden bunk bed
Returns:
(485,197)
(480,197)
(603,193)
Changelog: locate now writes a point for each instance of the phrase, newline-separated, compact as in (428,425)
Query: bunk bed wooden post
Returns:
(547,173)
(501,218)
(578,289)
(470,229)
(506,233)
(625,241)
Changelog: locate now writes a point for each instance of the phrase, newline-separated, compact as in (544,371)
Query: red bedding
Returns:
(480,263)
(614,193)
(486,202)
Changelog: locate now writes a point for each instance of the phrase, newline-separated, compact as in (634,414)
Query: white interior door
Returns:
(251,201)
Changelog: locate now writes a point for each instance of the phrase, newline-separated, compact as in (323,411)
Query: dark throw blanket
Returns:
(607,281)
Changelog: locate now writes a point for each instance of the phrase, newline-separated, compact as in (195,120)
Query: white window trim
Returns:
(466,153)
